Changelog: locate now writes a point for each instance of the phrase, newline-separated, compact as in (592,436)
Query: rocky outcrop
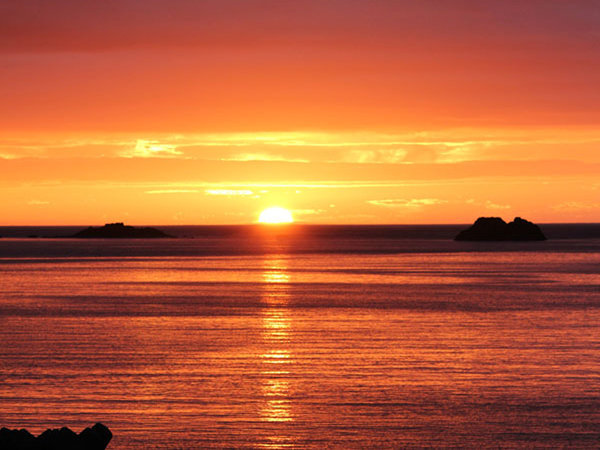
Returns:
(120,231)
(94,438)
(496,229)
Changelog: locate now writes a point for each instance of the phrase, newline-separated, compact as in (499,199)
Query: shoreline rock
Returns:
(496,229)
(92,438)
(119,231)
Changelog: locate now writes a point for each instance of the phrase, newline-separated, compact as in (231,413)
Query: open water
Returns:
(296,337)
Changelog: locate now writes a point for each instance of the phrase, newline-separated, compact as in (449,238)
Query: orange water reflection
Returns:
(277,358)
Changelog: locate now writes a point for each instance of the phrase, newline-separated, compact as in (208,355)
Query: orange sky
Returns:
(344,111)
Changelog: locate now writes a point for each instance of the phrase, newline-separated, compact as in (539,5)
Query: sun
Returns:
(275,214)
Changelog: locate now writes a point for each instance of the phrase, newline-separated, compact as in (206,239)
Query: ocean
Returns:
(304,337)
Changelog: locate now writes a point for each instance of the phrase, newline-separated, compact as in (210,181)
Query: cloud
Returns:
(576,206)
(228,192)
(488,204)
(262,157)
(38,202)
(152,149)
(491,205)
(196,173)
(308,212)
(374,156)
(451,146)
(172,191)
(421,154)
(410,203)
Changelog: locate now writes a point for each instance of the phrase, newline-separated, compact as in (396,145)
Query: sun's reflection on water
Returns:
(277,358)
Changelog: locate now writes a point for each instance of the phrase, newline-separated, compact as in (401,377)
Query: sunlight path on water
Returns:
(277,360)
(307,351)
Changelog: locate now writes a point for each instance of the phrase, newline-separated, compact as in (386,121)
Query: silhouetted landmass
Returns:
(496,229)
(120,231)
(94,438)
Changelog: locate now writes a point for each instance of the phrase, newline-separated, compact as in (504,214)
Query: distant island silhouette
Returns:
(119,231)
(94,438)
(496,229)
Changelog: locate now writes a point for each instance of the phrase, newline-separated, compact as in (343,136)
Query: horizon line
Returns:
(279,225)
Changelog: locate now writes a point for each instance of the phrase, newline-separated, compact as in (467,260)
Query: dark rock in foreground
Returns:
(496,229)
(94,438)
(120,231)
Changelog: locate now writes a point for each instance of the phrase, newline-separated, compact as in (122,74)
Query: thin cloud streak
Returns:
(318,147)
(172,191)
(229,192)
(407,203)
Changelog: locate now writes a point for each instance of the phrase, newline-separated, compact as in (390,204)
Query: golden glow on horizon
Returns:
(275,215)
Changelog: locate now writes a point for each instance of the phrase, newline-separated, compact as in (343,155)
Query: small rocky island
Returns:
(496,229)
(120,231)
(94,438)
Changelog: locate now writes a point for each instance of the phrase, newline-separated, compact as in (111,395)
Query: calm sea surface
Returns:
(347,337)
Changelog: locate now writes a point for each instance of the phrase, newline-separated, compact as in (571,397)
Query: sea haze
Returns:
(304,336)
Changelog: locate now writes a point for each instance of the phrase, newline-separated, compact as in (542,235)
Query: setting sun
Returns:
(275,215)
